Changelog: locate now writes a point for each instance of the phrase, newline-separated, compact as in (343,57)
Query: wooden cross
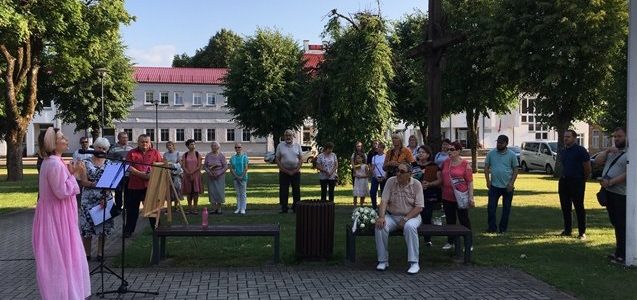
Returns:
(432,49)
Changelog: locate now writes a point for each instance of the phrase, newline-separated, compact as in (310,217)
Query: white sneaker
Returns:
(237,211)
(414,269)
(447,246)
(243,212)
(382,266)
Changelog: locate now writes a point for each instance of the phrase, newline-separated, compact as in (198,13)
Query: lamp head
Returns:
(101,72)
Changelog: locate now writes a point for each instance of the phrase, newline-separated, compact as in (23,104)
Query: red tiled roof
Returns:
(180,75)
(315,47)
(313,60)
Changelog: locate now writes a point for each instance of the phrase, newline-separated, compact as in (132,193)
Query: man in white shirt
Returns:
(84,146)
(288,158)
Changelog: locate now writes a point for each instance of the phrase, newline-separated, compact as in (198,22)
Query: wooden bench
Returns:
(424,229)
(160,234)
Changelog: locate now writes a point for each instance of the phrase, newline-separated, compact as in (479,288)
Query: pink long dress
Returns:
(61,266)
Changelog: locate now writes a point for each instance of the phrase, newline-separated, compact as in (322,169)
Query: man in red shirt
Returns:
(138,180)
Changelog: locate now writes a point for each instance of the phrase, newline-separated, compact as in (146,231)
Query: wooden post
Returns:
(631,180)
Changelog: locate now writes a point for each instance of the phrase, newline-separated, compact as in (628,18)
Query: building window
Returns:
(580,139)
(179,135)
(163,98)
(179,98)
(595,139)
(246,135)
(197,135)
(151,132)
(197,98)
(230,135)
(210,99)
(163,135)
(149,96)
(210,134)
(129,132)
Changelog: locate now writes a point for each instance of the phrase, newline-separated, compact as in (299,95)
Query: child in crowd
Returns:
(361,176)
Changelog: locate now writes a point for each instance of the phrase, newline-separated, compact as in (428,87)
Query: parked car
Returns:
(517,151)
(308,154)
(539,155)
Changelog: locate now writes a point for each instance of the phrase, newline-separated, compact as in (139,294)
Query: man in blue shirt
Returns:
(576,169)
(500,171)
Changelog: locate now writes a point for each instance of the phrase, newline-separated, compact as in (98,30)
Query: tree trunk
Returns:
(472,137)
(276,138)
(423,132)
(15,138)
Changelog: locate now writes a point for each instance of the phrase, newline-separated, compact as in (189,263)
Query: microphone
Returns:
(96,153)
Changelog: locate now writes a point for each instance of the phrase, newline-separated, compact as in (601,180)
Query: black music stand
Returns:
(111,181)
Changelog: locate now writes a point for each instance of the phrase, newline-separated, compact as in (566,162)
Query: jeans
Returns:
(285,181)
(571,191)
(327,187)
(240,187)
(492,207)
(373,191)
(617,214)
(451,211)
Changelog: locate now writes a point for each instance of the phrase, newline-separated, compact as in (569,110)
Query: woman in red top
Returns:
(456,167)
(191,186)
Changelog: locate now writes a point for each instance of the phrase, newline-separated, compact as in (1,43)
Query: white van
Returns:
(540,155)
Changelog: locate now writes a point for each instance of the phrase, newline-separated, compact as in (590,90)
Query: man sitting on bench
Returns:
(400,208)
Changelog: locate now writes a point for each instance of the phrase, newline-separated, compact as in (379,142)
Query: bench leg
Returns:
(162,247)
(276,248)
(468,242)
(155,256)
(350,245)
(457,246)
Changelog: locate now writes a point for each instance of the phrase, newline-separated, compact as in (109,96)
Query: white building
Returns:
(520,125)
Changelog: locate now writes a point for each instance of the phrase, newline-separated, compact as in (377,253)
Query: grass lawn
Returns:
(577,267)
(18,195)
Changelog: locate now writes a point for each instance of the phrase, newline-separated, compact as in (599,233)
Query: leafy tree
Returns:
(28,30)
(219,51)
(473,85)
(352,87)
(409,86)
(217,54)
(181,60)
(265,84)
(561,51)
(613,110)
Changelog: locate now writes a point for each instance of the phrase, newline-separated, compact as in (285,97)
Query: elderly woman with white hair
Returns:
(216,165)
(92,197)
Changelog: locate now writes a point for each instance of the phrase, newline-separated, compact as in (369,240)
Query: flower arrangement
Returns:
(363,218)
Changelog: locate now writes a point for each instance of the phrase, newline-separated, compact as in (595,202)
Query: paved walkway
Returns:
(298,282)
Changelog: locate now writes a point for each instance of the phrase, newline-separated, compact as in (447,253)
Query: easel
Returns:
(160,192)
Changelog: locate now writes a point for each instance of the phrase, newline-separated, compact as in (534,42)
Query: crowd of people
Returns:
(413,183)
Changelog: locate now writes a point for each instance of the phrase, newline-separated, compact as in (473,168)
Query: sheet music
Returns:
(97,213)
(112,175)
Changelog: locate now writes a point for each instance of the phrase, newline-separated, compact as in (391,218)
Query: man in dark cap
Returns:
(500,171)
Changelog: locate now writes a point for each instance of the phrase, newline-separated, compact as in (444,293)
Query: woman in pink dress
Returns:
(61,267)
(191,185)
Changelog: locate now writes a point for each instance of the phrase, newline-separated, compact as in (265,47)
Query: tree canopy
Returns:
(352,96)
(266,84)
(55,32)
(217,54)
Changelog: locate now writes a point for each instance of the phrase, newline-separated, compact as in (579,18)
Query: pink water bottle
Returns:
(204,218)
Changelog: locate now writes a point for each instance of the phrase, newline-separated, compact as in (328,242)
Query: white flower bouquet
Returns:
(363,218)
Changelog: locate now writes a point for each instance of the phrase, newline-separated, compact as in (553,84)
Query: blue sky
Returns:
(168,27)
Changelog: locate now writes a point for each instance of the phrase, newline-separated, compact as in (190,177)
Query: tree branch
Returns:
(11,102)
(24,65)
(335,13)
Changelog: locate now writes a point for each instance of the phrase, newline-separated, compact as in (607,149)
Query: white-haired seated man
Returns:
(400,208)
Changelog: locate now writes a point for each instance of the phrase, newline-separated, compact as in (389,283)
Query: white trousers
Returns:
(240,187)
(411,237)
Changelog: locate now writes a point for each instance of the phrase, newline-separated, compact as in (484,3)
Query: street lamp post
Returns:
(156,102)
(100,73)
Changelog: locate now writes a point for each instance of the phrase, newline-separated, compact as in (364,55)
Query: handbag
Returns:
(602,196)
(462,198)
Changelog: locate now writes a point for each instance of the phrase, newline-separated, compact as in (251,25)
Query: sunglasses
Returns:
(451,149)
(403,171)
(84,142)
(237,147)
